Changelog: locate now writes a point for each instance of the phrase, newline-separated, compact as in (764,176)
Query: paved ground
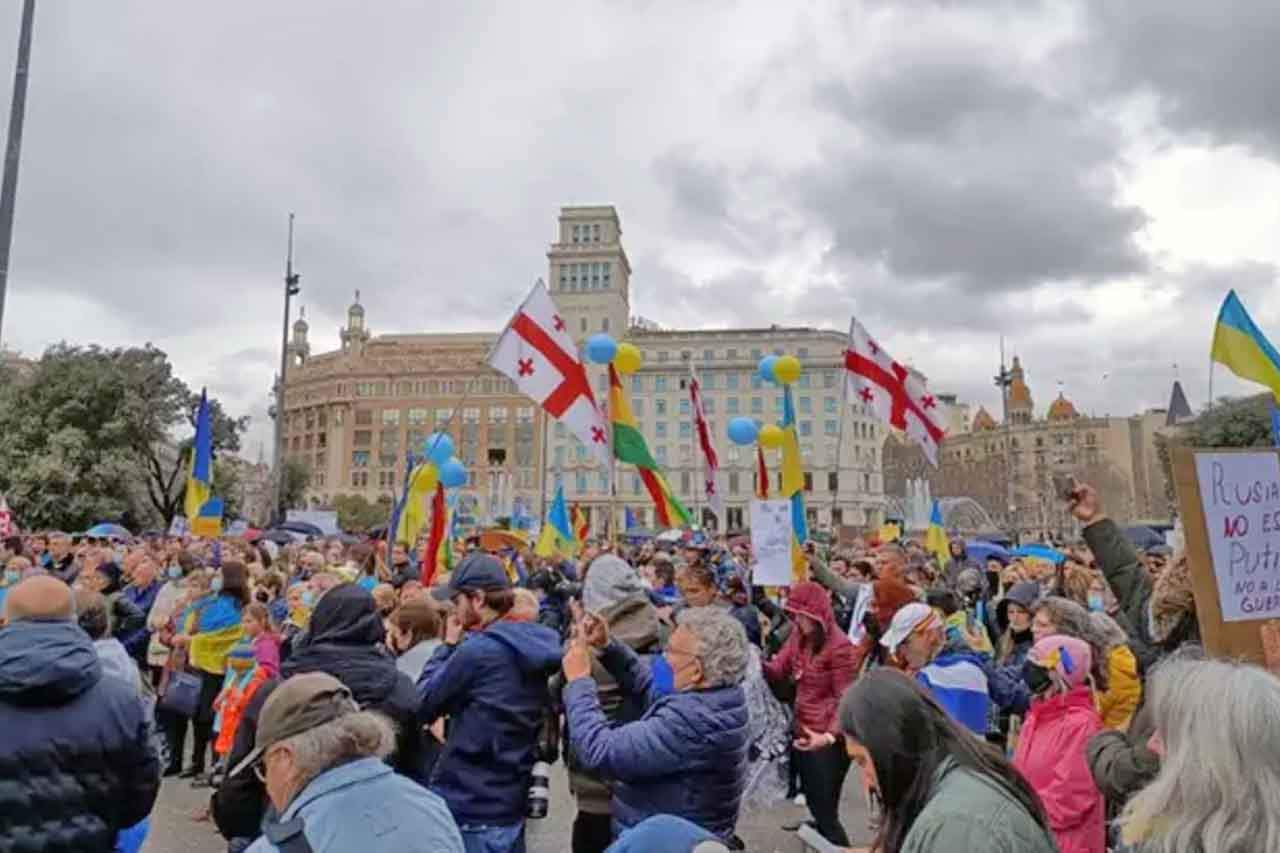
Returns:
(174,831)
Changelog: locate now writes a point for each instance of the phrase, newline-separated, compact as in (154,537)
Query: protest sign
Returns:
(771,542)
(1230,505)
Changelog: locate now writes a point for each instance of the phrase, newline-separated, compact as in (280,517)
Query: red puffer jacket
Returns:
(821,677)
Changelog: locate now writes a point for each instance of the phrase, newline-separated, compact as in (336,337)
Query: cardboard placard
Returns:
(771,535)
(1230,505)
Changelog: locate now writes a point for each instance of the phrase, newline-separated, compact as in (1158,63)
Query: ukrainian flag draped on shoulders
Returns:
(1240,346)
(629,446)
(213,624)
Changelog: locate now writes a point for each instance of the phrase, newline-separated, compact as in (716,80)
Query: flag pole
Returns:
(542,465)
(1210,380)
(693,436)
(613,473)
(844,412)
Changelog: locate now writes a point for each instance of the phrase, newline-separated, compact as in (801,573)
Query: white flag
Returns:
(889,390)
(537,353)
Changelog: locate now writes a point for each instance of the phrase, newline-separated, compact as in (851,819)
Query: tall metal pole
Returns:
(844,413)
(290,289)
(17,112)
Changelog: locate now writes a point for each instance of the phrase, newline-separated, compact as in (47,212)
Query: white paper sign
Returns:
(1240,493)
(771,542)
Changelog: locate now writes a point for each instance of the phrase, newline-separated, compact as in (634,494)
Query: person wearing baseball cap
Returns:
(320,758)
(493,688)
(916,640)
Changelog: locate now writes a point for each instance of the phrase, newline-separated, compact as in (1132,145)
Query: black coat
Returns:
(241,800)
(76,760)
(344,639)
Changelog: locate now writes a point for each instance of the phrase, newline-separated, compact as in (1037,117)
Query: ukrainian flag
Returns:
(200,478)
(1239,346)
(413,513)
(935,538)
(793,485)
(557,530)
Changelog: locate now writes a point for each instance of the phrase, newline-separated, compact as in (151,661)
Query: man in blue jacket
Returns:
(76,757)
(493,687)
(687,754)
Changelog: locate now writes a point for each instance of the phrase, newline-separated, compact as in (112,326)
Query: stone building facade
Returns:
(1116,454)
(351,414)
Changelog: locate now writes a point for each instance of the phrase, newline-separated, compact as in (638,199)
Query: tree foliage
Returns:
(297,477)
(87,434)
(1232,422)
(356,513)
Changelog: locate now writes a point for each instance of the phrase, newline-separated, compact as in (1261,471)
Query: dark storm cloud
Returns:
(969,176)
(1210,65)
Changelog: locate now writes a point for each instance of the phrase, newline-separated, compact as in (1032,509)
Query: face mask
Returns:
(216,584)
(175,572)
(308,598)
(664,680)
(262,596)
(1096,602)
(1036,677)
(12,576)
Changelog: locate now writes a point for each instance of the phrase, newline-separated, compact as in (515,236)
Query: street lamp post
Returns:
(291,289)
(17,112)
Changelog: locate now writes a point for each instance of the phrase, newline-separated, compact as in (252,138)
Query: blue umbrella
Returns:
(1040,552)
(983,551)
(107,531)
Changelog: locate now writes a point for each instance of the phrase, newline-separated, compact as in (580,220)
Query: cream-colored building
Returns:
(352,414)
(1116,454)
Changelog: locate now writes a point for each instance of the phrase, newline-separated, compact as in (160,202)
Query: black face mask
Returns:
(1036,677)
(263,596)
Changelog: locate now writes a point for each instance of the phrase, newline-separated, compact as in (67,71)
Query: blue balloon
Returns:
(438,447)
(452,474)
(743,431)
(601,348)
(766,368)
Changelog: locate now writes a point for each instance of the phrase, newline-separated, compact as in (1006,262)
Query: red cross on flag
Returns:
(537,353)
(891,392)
(710,463)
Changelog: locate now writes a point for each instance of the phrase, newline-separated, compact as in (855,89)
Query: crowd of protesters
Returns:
(332,697)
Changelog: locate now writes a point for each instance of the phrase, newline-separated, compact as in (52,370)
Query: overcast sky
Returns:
(1087,179)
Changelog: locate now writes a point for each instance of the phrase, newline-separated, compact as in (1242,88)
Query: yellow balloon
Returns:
(786,369)
(771,436)
(627,358)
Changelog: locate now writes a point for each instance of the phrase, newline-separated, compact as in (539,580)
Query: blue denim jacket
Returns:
(366,806)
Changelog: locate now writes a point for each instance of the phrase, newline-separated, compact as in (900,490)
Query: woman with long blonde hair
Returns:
(1218,737)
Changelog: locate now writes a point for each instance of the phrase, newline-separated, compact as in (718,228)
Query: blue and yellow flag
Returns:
(208,523)
(793,486)
(935,538)
(200,477)
(557,529)
(413,513)
(1241,347)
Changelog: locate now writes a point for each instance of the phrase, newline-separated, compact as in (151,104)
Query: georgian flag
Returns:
(710,462)
(536,351)
(889,390)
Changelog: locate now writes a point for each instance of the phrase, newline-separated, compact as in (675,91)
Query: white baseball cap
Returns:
(907,621)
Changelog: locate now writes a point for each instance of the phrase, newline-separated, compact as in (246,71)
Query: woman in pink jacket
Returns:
(1051,747)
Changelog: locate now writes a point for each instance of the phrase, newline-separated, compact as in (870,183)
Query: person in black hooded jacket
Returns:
(77,764)
(344,639)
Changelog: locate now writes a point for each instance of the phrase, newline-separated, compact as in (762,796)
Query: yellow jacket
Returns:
(1117,704)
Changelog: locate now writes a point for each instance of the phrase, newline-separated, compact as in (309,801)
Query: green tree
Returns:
(1231,422)
(297,477)
(356,513)
(78,427)
(227,485)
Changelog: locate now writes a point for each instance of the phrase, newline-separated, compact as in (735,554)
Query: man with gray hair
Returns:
(76,755)
(321,760)
(687,754)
